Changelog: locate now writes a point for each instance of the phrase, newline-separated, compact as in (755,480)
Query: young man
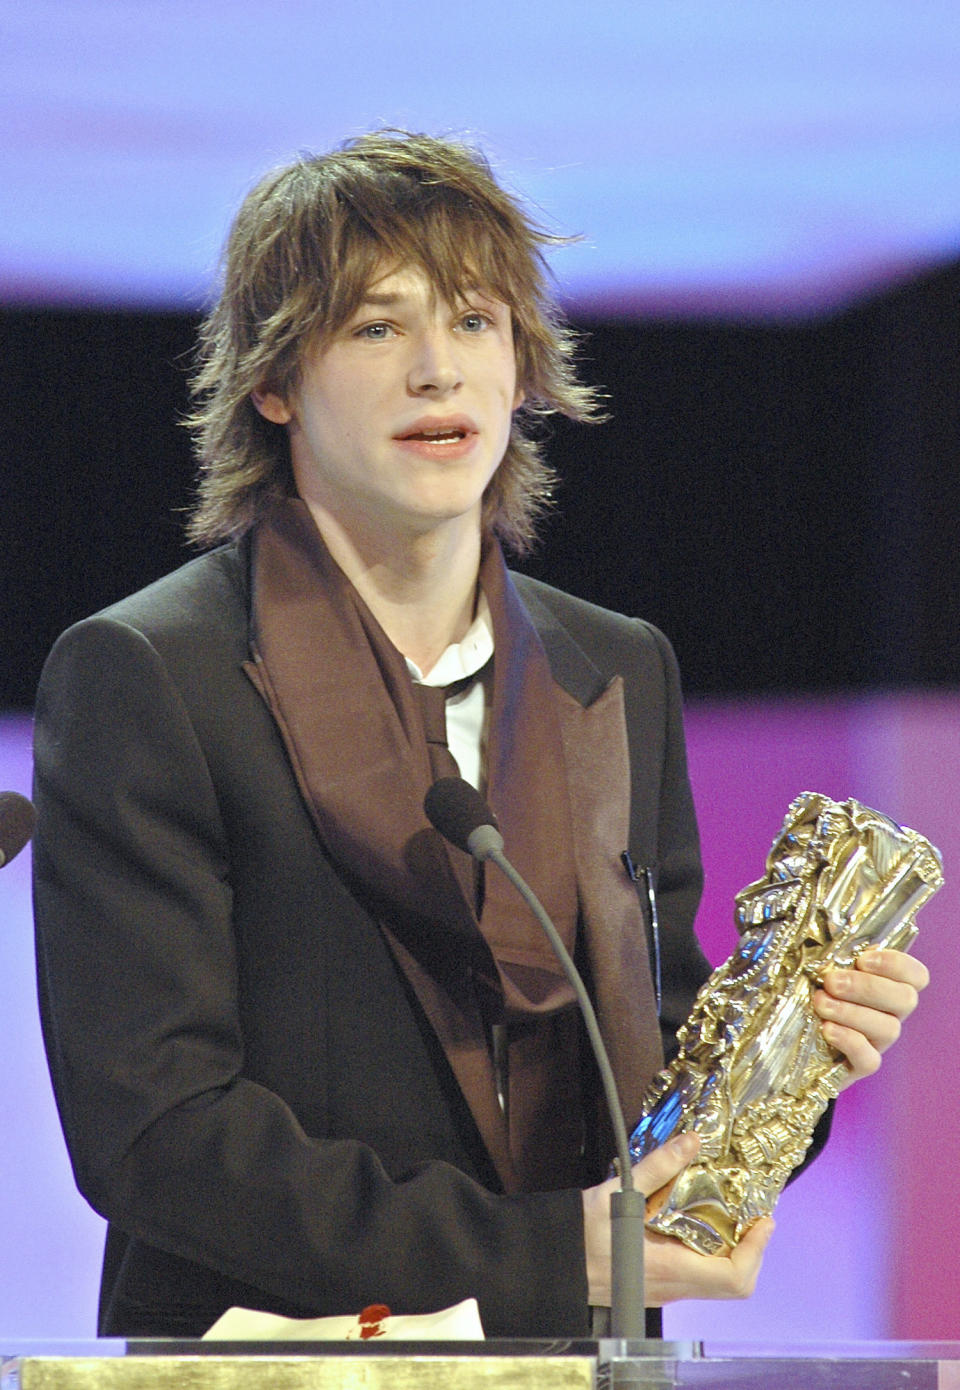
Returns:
(306,1059)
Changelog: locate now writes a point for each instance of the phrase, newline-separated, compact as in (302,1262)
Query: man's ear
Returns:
(271,406)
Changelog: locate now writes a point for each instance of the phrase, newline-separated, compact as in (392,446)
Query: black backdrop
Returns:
(784,500)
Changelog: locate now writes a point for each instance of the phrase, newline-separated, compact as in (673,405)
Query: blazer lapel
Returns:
(594,735)
(614,931)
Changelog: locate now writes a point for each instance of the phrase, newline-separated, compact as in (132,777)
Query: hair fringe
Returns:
(300,255)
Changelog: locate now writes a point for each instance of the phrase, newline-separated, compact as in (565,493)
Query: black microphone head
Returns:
(17,819)
(456,809)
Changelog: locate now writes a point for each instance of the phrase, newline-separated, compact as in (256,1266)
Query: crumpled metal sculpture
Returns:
(754,1073)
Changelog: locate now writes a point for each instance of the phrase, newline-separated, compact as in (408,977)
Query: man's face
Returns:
(402,417)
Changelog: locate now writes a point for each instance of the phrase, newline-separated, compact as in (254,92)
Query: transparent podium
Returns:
(491,1365)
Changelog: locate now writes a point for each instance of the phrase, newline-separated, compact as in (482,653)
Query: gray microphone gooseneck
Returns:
(461,815)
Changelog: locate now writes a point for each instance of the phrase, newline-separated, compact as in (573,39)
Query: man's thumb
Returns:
(658,1168)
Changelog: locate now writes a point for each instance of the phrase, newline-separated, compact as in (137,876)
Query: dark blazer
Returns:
(250,1092)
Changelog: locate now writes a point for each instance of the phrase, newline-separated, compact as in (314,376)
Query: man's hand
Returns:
(671,1270)
(863,1009)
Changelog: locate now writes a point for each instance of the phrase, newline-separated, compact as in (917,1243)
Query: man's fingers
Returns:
(672,1270)
(886,981)
(863,1007)
(895,965)
(747,1256)
(652,1172)
(663,1164)
(754,1242)
(675,1272)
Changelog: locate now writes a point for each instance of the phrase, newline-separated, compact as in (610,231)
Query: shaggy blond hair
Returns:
(304,248)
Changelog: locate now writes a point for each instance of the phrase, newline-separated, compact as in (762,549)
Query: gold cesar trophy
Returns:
(754,1073)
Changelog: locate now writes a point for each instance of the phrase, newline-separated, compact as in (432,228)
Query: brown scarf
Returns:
(337,686)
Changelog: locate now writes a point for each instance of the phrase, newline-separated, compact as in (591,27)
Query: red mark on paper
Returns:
(371,1321)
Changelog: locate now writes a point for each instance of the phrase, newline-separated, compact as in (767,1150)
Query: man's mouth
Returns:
(425,431)
(437,436)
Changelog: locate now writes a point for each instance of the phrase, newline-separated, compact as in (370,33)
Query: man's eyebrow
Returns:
(380,298)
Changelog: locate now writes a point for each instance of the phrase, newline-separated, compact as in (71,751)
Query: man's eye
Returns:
(374,331)
(474,322)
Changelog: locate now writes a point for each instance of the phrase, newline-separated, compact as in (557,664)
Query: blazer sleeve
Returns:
(676,860)
(138,979)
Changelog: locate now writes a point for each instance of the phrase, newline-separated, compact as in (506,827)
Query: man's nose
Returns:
(435,368)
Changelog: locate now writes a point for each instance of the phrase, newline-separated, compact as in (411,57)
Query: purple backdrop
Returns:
(737,157)
(858,1235)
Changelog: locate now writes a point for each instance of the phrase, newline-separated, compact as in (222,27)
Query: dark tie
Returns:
(433,708)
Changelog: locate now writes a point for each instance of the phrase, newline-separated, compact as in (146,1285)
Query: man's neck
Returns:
(421,588)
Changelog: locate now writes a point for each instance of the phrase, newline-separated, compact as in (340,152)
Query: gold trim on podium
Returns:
(300,1373)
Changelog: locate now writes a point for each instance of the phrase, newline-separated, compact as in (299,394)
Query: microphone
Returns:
(17,819)
(461,815)
(459,812)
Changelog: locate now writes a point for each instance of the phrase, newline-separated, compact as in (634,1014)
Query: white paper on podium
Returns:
(461,1323)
